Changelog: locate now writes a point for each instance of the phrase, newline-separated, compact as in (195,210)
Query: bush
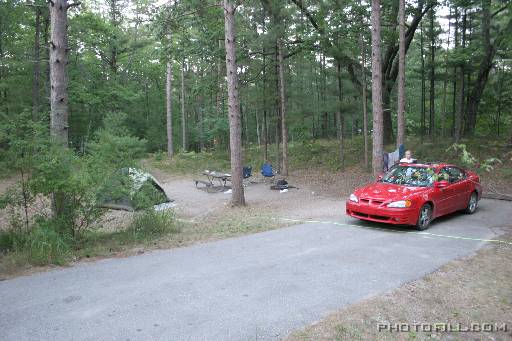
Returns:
(46,246)
(12,240)
(150,224)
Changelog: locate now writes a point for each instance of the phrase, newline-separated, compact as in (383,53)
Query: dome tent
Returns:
(131,189)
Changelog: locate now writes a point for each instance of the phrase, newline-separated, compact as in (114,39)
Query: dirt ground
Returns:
(476,290)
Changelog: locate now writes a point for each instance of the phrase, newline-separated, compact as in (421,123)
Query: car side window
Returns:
(444,175)
(456,174)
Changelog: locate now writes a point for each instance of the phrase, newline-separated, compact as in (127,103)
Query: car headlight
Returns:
(353,198)
(400,204)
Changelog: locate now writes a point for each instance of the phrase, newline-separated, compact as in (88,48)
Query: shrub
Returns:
(46,246)
(150,224)
(12,240)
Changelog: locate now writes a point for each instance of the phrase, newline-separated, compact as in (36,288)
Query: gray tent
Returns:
(128,187)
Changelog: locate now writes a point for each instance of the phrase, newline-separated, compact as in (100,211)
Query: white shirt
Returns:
(405,160)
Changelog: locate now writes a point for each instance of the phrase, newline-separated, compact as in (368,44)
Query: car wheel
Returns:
(472,203)
(424,217)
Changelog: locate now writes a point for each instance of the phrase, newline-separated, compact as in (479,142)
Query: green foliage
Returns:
(471,161)
(150,224)
(114,146)
(12,240)
(47,246)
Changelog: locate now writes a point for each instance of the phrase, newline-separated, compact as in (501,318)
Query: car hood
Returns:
(384,191)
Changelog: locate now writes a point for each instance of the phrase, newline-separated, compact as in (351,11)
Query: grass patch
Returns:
(44,246)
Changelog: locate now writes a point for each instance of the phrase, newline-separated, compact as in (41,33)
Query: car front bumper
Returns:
(382,214)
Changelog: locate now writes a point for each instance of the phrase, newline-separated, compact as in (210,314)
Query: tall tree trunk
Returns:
(377,89)
(455,88)
(423,91)
(37,65)
(46,50)
(460,102)
(258,129)
(184,139)
(282,102)
(235,133)
(58,71)
(339,120)
(445,81)
(365,109)
(114,21)
(432,118)
(500,100)
(265,124)
(486,63)
(400,136)
(168,106)
(278,113)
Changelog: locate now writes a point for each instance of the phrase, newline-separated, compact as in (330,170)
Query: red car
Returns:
(415,194)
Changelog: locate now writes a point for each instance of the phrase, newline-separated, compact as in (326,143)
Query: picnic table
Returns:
(212,176)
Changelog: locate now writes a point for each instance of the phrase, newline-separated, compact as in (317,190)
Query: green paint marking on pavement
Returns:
(422,233)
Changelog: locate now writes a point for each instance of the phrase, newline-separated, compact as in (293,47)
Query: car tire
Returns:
(472,204)
(424,217)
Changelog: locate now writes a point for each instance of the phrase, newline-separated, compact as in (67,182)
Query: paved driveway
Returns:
(256,287)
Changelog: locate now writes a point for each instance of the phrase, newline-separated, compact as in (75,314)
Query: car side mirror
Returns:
(441,184)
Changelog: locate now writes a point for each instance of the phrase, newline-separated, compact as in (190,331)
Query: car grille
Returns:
(372,202)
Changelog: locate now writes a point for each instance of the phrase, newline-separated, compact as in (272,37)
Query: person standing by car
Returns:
(408,157)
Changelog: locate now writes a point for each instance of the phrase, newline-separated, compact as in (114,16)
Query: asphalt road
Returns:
(256,287)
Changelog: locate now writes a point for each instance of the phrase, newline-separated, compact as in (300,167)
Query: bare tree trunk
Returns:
(37,65)
(184,139)
(460,105)
(46,50)
(168,106)
(400,137)
(265,124)
(235,133)
(432,119)
(339,121)
(282,102)
(445,81)
(486,64)
(377,90)
(258,129)
(423,90)
(58,71)
(365,109)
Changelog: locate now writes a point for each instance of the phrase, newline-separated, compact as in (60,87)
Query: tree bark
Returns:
(184,139)
(37,65)
(265,124)
(282,103)
(486,64)
(235,134)
(339,120)
(461,87)
(59,112)
(377,89)
(168,106)
(432,117)
(365,109)
(445,81)
(400,136)
(423,90)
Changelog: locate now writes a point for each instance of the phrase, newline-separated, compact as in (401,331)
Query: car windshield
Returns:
(410,176)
